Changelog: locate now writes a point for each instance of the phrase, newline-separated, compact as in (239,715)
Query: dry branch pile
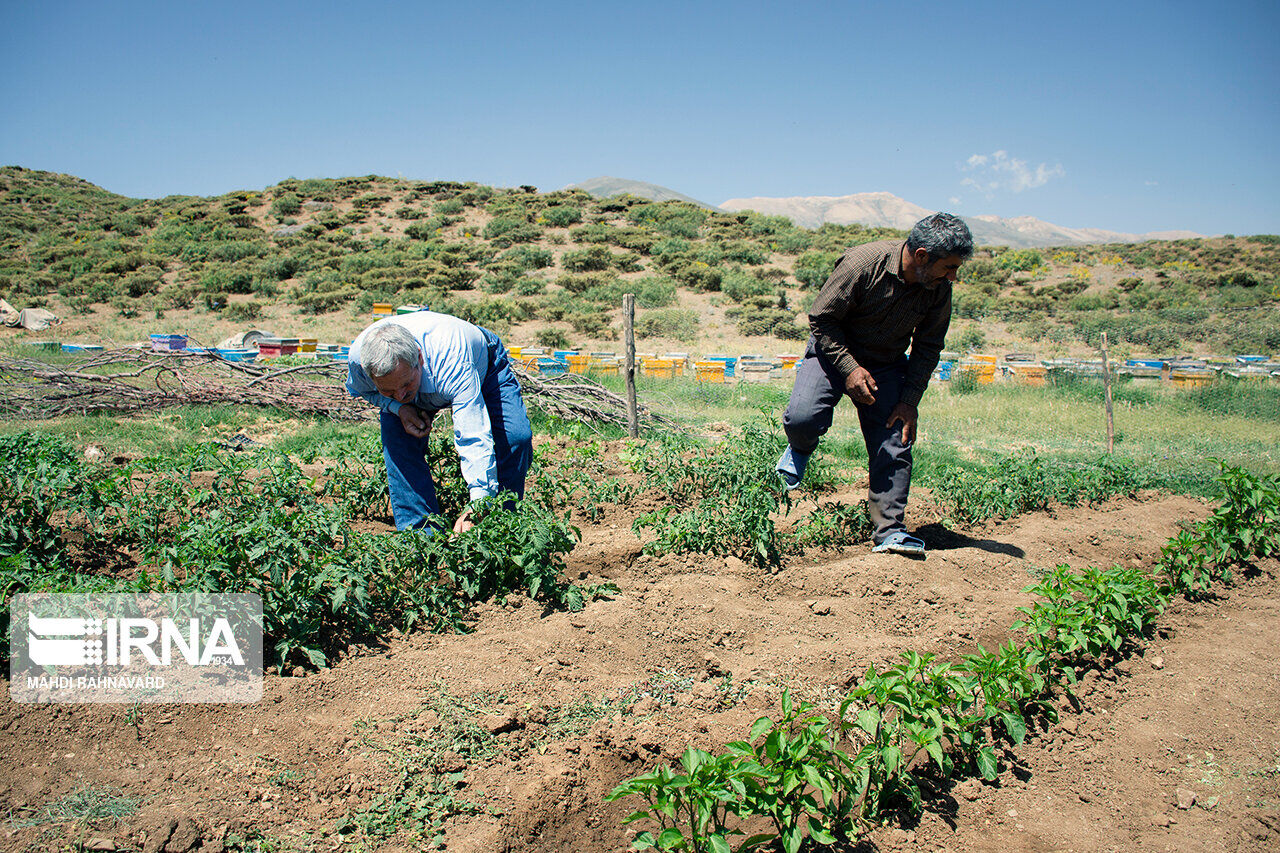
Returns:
(139,380)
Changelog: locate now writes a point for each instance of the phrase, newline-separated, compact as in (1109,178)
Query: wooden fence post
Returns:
(629,326)
(1106,395)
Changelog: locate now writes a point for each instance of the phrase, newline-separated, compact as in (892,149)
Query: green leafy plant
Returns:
(691,808)
(831,524)
(798,777)
(914,707)
(1083,616)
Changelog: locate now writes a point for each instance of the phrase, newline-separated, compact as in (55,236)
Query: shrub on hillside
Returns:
(761,316)
(528,257)
(650,291)
(496,314)
(814,268)
(530,286)
(596,232)
(739,285)
(594,324)
(238,312)
(323,294)
(744,252)
(141,284)
(627,262)
(552,339)
(587,260)
(503,232)
(561,215)
(983,270)
(697,275)
(668,323)
(286,205)
(280,267)
(633,239)
(583,282)
(1020,260)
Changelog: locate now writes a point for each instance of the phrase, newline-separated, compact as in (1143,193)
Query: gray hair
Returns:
(941,235)
(385,345)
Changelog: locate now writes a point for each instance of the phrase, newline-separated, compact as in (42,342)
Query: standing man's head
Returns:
(392,359)
(936,247)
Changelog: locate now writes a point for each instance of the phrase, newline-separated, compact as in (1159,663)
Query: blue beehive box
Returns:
(728,361)
(552,366)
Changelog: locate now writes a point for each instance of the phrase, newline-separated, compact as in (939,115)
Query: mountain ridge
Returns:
(605,186)
(886,210)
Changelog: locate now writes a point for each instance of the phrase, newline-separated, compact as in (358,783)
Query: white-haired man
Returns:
(413,365)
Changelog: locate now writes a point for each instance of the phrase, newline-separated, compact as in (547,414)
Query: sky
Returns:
(1129,115)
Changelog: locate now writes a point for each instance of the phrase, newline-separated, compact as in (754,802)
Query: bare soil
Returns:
(690,652)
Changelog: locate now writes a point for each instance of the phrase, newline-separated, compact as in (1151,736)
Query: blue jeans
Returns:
(819,387)
(413,492)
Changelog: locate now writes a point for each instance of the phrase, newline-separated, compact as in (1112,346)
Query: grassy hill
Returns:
(310,257)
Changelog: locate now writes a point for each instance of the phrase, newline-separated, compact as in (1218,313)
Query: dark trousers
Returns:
(413,493)
(819,387)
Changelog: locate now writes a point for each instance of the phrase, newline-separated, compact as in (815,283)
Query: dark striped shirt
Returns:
(867,315)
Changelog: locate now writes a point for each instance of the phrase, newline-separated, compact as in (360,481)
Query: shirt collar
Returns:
(895,261)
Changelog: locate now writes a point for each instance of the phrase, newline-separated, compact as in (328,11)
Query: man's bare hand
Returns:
(464,522)
(861,386)
(907,415)
(415,421)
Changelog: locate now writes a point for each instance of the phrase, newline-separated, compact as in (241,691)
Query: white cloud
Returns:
(955,200)
(999,172)
(1153,183)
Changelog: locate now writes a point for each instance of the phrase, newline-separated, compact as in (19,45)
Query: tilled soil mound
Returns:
(524,725)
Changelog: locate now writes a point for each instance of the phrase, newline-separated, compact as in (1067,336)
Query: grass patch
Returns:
(85,805)
(168,432)
(426,786)
(1241,398)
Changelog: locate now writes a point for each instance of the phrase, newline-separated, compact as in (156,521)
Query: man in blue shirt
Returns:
(413,365)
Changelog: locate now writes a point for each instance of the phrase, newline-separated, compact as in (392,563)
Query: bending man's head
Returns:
(392,359)
(942,235)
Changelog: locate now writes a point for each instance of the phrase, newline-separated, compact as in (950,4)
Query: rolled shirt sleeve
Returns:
(459,374)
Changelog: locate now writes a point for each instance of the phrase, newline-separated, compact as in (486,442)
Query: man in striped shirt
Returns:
(882,298)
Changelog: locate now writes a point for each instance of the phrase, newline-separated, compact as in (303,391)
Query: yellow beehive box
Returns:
(664,367)
(306,344)
(383,309)
(578,363)
(709,371)
(1191,378)
(1028,374)
(984,371)
(604,367)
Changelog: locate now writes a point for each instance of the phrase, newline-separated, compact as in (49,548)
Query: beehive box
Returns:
(709,371)
(168,343)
